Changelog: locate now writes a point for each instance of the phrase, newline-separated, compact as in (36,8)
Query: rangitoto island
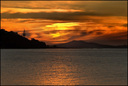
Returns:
(12,40)
(83,44)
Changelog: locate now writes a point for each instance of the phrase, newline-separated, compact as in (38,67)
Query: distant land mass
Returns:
(83,44)
(12,40)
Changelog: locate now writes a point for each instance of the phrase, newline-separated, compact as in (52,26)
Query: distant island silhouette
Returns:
(12,40)
(83,44)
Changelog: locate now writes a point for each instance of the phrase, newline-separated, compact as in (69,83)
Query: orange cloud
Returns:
(62,21)
(53,32)
(26,10)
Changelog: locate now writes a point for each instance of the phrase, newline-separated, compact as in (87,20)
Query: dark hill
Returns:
(14,40)
(83,44)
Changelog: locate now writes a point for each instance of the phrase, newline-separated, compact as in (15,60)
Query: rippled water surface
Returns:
(64,66)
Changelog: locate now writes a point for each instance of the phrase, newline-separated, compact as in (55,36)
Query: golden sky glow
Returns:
(24,10)
(63,21)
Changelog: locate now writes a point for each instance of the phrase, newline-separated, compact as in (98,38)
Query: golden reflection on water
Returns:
(63,71)
(60,71)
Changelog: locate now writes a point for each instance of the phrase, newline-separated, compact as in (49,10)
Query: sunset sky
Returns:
(54,22)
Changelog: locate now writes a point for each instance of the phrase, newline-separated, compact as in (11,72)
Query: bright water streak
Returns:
(64,66)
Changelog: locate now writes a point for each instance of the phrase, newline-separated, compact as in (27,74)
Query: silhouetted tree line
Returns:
(14,40)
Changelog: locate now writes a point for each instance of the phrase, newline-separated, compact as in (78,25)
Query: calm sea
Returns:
(64,66)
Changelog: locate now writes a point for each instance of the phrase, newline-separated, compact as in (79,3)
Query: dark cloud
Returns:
(52,31)
(83,33)
(99,33)
(52,16)
(38,35)
(125,25)
(110,26)
(118,24)
(22,21)
(119,38)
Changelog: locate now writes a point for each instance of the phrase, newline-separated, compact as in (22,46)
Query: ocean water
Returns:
(64,66)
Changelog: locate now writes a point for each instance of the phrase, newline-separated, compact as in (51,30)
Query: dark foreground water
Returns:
(64,66)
